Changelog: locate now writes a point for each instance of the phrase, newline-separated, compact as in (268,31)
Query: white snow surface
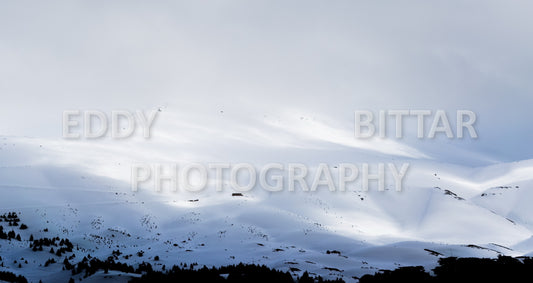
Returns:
(447,209)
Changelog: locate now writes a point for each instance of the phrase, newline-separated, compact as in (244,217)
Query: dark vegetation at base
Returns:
(486,270)
(183,273)
(12,277)
(13,221)
(11,235)
(452,269)
(235,274)
(62,245)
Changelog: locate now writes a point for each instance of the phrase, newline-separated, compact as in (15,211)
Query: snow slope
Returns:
(444,210)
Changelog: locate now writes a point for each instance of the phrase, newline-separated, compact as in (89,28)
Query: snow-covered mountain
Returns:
(443,210)
(263,82)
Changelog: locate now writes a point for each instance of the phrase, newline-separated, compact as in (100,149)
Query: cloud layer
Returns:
(271,74)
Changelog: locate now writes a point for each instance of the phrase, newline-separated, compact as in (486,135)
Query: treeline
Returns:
(12,277)
(452,269)
(90,266)
(62,245)
(9,235)
(233,274)
(13,220)
(11,217)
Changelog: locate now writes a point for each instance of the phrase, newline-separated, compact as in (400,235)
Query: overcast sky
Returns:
(256,78)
